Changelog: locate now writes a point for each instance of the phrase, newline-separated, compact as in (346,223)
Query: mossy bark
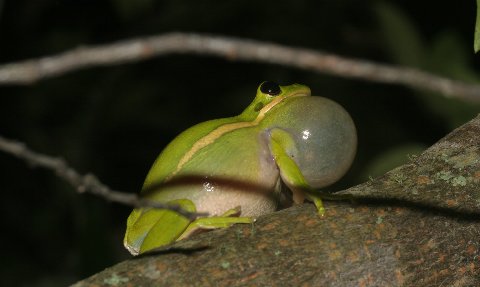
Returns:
(418,225)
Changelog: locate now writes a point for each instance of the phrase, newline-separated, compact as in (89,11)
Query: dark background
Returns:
(113,121)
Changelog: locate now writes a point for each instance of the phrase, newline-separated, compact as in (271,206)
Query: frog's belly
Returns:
(216,195)
(254,200)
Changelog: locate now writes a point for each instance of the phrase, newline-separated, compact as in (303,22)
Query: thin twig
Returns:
(84,183)
(29,71)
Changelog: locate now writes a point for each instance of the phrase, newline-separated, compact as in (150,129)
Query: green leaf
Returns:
(400,35)
(476,41)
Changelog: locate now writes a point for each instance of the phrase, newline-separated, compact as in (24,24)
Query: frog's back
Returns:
(168,160)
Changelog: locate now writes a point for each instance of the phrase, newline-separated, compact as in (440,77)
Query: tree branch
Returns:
(417,225)
(84,183)
(29,71)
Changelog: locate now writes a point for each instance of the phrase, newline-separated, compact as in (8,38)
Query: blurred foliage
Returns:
(390,158)
(129,10)
(445,55)
(113,121)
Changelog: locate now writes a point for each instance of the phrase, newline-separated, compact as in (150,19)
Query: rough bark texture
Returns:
(418,225)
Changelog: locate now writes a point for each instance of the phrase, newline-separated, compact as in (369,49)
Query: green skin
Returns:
(232,168)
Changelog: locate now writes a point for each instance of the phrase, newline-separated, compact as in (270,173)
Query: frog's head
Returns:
(269,94)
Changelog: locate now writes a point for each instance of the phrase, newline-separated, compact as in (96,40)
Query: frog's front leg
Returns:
(281,142)
(225,220)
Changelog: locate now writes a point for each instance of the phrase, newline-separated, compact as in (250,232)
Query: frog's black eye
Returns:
(270,88)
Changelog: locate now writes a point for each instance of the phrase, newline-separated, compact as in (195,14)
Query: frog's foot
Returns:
(317,196)
(317,200)
(227,219)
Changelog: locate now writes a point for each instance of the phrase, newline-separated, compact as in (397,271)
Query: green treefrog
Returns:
(234,168)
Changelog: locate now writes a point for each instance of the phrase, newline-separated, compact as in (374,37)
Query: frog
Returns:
(282,149)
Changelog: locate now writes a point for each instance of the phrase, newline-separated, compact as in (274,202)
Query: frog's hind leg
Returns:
(159,226)
(227,219)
